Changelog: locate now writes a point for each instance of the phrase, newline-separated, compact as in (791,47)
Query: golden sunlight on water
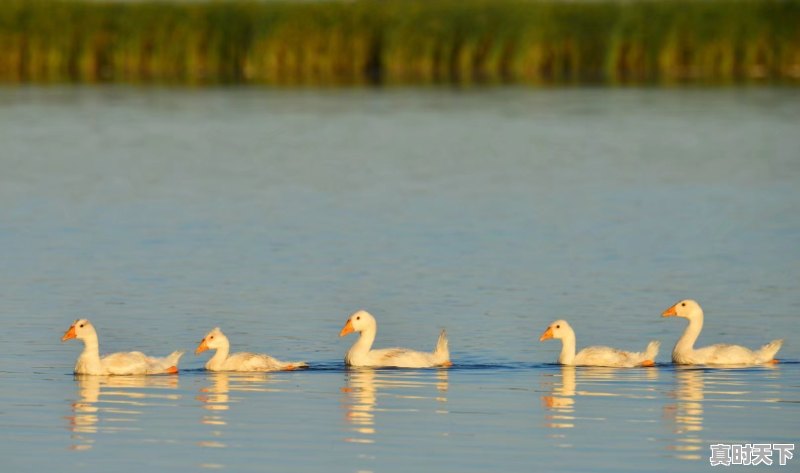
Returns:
(108,404)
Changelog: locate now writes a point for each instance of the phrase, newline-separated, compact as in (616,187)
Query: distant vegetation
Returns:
(400,41)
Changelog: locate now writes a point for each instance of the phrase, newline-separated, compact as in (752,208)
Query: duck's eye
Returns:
(82,325)
(558,326)
(211,337)
(683,304)
(358,318)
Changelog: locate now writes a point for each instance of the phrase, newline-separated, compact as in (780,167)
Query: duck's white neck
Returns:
(364,343)
(567,356)
(686,342)
(220,356)
(89,360)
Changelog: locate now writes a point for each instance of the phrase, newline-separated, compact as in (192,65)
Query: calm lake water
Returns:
(161,213)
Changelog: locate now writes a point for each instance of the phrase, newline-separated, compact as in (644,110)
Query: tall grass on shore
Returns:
(400,41)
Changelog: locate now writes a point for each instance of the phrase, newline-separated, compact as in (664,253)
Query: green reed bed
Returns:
(400,41)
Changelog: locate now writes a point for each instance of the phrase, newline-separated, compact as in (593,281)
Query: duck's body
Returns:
(724,354)
(397,357)
(684,352)
(607,356)
(362,354)
(243,361)
(596,355)
(122,363)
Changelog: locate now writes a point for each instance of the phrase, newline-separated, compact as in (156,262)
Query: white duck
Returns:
(122,363)
(597,355)
(684,352)
(222,361)
(361,353)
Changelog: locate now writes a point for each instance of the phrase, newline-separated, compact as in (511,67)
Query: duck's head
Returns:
(558,329)
(686,308)
(213,340)
(358,322)
(79,329)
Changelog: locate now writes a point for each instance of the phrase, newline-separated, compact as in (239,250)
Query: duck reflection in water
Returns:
(697,389)
(562,399)
(686,413)
(106,402)
(365,385)
(560,404)
(216,398)
(360,404)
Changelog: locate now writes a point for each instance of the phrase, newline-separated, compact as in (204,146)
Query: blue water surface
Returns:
(161,213)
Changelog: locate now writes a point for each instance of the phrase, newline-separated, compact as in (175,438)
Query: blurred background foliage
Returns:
(400,41)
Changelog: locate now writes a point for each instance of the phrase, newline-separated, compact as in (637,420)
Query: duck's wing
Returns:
(167,364)
(725,354)
(122,363)
(245,361)
(607,356)
(401,358)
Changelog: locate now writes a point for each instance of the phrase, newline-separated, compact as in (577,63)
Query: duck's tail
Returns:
(442,352)
(168,364)
(650,353)
(171,361)
(294,365)
(766,354)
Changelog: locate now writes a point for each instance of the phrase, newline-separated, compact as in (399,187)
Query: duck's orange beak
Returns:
(69,334)
(202,347)
(548,334)
(671,312)
(348,328)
